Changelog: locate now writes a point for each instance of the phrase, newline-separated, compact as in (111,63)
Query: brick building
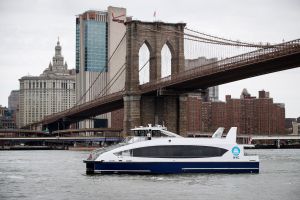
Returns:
(250,114)
(194,110)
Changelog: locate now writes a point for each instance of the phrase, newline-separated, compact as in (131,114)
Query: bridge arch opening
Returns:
(144,63)
(166,60)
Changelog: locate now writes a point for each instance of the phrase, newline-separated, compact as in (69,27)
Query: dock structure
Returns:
(262,141)
(101,136)
(278,141)
(21,139)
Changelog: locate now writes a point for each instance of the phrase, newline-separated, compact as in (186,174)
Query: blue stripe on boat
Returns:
(172,167)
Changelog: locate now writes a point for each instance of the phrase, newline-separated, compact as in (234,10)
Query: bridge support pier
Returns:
(183,114)
(151,109)
(170,111)
(132,112)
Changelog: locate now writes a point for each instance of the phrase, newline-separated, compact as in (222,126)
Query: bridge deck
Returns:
(94,139)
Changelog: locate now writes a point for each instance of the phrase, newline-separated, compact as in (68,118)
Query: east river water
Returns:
(61,175)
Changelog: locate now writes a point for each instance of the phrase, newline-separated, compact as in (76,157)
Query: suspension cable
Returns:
(211,41)
(120,69)
(101,71)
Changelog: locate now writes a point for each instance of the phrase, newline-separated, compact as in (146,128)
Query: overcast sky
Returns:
(29,31)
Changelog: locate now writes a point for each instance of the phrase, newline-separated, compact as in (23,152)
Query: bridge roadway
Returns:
(21,131)
(274,137)
(61,132)
(267,60)
(253,136)
(243,139)
(63,139)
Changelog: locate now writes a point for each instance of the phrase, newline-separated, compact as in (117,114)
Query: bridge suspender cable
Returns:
(113,80)
(219,38)
(117,76)
(216,40)
(101,71)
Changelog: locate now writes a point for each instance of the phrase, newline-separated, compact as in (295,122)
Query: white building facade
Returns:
(51,92)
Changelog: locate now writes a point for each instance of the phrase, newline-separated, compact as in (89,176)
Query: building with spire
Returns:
(53,91)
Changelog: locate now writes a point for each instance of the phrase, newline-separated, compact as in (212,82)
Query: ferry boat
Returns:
(155,150)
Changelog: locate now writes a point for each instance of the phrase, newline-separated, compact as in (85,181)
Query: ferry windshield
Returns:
(143,133)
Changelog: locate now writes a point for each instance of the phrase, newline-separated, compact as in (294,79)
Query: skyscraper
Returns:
(13,104)
(13,100)
(53,91)
(97,37)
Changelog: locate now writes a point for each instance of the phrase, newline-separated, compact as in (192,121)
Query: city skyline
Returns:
(28,36)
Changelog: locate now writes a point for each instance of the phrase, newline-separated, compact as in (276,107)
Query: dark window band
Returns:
(177,151)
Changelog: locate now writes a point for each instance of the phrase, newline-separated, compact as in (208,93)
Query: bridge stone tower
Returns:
(152,108)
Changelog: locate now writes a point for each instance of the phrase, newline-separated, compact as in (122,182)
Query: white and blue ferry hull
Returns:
(170,167)
(172,155)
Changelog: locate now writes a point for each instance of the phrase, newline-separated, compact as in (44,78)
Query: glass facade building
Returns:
(92,30)
(95,46)
(77,56)
(97,36)
(91,61)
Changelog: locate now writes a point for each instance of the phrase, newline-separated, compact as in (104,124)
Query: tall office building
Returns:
(13,104)
(98,34)
(13,100)
(53,91)
(6,119)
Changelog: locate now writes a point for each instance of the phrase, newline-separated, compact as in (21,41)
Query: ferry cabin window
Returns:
(124,153)
(141,133)
(156,133)
(178,151)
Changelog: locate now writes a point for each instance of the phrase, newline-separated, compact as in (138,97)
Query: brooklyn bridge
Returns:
(163,99)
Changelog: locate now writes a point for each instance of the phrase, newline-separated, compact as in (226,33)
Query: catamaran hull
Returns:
(170,167)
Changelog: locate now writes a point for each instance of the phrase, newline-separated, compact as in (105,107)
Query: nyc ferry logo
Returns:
(235,152)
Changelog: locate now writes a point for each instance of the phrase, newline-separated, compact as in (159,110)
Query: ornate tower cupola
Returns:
(58,49)
(58,59)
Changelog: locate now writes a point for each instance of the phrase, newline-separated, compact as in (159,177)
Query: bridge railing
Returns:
(273,51)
